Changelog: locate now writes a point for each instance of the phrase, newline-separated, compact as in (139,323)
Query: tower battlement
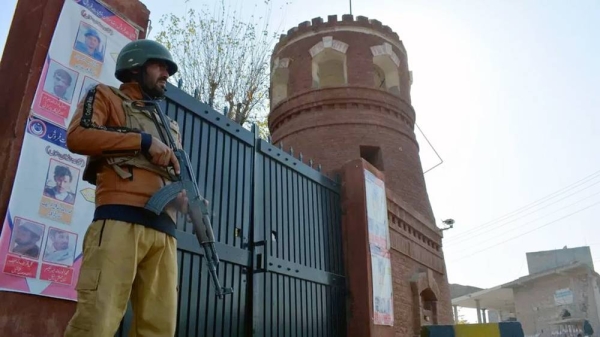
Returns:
(318,24)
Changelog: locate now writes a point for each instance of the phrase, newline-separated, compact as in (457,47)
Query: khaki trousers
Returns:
(123,261)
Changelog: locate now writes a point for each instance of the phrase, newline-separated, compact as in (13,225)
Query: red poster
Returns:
(19,266)
(56,274)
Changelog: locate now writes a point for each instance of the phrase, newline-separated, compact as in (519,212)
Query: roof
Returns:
(502,297)
(497,298)
(458,290)
(577,266)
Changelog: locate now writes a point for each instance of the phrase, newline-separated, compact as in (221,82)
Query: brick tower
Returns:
(340,90)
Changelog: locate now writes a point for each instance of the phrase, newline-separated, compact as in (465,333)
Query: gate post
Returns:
(259,246)
(357,255)
(27,44)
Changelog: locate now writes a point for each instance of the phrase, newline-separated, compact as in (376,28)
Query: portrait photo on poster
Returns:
(60,247)
(88,83)
(60,81)
(61,182)
(26,238)
(90,42)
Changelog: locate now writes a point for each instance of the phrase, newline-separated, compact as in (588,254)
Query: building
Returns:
(340,91)
(559,295)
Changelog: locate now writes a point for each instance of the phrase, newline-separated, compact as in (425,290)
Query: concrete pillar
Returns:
(455,309)
(483,316)
(478,305)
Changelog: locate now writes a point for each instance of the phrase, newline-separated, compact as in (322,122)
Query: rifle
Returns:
(197,209)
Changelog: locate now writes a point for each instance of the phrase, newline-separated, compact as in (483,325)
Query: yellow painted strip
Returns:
(477,330)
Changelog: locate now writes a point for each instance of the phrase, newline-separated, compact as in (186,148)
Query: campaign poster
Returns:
(379,244)
(51,207)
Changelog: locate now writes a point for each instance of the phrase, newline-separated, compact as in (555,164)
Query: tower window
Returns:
(279,85)
(329,69)
(372,154)
(386,63)
(386,74)
(329,63)
(279,80)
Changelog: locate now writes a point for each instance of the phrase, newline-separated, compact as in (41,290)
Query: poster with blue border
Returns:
(50,206)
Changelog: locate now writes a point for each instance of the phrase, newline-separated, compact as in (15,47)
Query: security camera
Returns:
(449,223)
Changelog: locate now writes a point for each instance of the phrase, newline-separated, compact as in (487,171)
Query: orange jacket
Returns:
(101,132)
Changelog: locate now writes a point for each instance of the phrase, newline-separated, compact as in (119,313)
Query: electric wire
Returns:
(493,228)
(528,206)
(533,221)
(528,232)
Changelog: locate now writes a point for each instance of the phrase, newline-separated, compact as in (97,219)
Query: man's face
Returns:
(91,42)
(61,85)
(24,236)
(61,241)
(62,183)
(155,81)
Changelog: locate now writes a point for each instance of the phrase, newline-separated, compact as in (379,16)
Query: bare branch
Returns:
(223,57)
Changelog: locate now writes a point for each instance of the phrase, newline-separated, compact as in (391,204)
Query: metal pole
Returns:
(350,7)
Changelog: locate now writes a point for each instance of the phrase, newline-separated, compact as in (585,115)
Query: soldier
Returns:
(128,252)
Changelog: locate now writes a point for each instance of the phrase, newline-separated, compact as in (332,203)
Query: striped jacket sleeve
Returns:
(90,132)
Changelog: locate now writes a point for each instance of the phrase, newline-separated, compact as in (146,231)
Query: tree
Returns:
(223,59)
(263,127)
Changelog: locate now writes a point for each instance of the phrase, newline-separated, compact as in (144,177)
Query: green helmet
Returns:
(138,52)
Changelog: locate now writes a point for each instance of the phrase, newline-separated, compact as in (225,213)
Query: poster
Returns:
(50,207)
(379,244)
(563,297)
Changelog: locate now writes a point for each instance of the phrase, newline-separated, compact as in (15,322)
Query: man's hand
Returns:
(162,155)
(181,202)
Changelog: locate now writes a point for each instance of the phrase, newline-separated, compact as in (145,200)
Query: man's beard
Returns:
(153,89)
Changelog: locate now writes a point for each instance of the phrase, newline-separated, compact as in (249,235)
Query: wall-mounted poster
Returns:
(50,206)
(379,244)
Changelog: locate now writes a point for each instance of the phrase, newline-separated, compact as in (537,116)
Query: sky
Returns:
(507,92)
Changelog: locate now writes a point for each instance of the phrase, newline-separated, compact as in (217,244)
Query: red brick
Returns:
(329,125)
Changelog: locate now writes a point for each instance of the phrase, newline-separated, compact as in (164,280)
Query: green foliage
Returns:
(224,60)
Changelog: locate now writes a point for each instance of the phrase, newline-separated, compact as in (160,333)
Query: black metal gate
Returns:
(277,223)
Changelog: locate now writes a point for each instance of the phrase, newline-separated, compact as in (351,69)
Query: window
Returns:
(329,63)
(279,85)
(279,80)
(372,154)
(387,77)
(385,68)
(329,69)
(428,307)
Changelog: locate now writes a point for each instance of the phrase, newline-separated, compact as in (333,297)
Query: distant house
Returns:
(559,297)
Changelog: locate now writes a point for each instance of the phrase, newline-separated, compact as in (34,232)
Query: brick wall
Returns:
(535,306)
(329,125)
(416,248)
(359,60)
(416,258)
